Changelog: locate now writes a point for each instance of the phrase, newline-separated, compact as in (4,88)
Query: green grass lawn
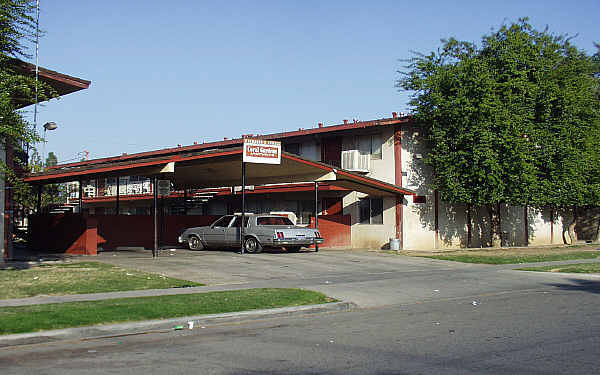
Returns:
(74,314)
(504,258)
(567,268)
(79,278)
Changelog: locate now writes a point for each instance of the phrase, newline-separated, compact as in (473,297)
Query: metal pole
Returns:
(155,188)
(243,206)
(37,60)
(117,201)
(317,212)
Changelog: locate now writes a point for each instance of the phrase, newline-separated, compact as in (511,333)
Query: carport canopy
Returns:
(221,168)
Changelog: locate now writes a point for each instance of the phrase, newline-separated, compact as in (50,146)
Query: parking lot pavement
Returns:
(366,278)
(229,268)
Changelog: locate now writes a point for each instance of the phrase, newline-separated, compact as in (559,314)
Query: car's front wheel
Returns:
(252,245)
(194,243)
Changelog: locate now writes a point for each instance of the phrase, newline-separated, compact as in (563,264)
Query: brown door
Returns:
(331,151)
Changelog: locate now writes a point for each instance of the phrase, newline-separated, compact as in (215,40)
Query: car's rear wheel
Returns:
(252,245)
(293,249)
(194,243)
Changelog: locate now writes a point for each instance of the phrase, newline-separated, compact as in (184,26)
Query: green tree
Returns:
(17,26)
(51,160)
(513,120)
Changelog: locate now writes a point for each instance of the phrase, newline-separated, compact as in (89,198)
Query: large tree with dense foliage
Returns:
(514,119)
(17,27)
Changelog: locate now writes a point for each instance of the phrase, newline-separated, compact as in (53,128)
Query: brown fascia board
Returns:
(238,141)
(62,83)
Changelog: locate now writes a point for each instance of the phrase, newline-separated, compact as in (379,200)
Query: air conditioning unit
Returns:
(354,161)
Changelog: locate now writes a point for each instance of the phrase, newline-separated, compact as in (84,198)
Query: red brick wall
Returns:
(335,229)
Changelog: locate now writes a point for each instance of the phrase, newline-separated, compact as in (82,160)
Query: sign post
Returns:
(261,152)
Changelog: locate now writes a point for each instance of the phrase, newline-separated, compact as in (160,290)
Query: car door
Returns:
(232,233)
(215,235)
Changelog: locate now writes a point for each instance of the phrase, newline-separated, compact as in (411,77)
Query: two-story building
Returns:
(389,150)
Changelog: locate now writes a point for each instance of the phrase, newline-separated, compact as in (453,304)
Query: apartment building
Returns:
(390,150)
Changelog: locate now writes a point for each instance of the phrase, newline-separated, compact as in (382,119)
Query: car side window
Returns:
(238,220)
(222,222)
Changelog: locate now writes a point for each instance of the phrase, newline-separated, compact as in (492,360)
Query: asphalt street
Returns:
(415,316)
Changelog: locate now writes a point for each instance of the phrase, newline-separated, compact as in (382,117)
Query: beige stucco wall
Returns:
(374,236)
(370,236)
(419,218)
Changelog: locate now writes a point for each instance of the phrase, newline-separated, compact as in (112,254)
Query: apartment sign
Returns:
(261,151)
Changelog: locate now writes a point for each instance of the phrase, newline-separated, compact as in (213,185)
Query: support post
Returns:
(155,190)
(317,211)
(398,181)
(243,207)
(39,199)
(118,209)
(80,200)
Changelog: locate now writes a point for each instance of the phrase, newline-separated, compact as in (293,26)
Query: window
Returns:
(371,210)
(223,222)
(370,145)
(269,220)
(238,220)
(293,148)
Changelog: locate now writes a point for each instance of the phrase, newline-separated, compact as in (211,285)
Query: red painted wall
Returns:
(83,234)
(138,230)
(335,229)
(63,233)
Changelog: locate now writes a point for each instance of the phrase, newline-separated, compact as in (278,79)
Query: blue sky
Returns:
(199,71)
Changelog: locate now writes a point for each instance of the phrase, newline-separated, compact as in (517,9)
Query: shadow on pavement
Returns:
(590,286)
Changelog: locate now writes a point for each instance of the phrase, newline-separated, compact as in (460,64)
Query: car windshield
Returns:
(223,222)
(270,220)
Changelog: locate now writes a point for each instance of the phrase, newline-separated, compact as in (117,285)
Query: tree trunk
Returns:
(495,234)
(469,227)
(598,230)
(572,234)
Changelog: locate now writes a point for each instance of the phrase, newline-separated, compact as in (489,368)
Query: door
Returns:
(331,151)
(232,233)
(215,235)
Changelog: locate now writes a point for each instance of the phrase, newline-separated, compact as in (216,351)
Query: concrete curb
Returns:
(166,325)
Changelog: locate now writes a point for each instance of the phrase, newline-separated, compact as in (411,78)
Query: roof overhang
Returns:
(61,83)
(221,168)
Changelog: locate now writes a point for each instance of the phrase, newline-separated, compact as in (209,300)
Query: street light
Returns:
(47,126)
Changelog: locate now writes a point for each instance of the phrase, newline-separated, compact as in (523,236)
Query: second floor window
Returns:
(370,144)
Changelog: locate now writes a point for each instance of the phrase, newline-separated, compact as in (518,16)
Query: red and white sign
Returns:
(261,151)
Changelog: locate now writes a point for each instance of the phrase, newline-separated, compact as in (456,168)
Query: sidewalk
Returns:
(360,279)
